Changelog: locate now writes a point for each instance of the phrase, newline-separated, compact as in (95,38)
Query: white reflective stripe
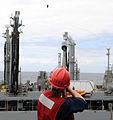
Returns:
(46,101)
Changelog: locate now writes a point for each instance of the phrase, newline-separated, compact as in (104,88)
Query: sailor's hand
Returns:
(74,93)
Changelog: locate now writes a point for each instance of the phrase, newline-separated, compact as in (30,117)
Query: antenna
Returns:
(108,54)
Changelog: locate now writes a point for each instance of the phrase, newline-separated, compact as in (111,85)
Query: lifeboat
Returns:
(80,92)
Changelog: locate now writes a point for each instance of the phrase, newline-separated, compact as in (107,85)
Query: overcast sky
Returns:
(88,22)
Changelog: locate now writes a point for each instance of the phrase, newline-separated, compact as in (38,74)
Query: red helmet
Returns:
(60,78)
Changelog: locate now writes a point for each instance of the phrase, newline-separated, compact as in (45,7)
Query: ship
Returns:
(17,102)
(99,98)
(14,95)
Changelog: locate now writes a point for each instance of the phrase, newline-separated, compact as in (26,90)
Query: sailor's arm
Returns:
(75,94)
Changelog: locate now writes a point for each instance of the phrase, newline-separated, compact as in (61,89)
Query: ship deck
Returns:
(32,115)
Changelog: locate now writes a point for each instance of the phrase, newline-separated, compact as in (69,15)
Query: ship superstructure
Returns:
(15,97)
(11,53)
(97,99)
(7,56)
(68,60)
(108,77)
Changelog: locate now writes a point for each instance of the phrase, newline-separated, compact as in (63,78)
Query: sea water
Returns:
(97,78)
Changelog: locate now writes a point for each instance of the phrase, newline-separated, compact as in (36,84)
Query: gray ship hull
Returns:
(32,115)
(94,115)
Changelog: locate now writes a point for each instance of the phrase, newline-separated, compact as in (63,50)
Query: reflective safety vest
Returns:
(48,105)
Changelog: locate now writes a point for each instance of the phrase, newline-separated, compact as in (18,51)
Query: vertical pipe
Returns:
(5,63)
(7,57)
(15,54)
(59,60)
(64,60)
(108,54)
(72,60)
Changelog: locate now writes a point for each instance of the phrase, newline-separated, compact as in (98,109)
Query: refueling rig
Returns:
(68,60)
(12,95)
(97,99)
(11,55)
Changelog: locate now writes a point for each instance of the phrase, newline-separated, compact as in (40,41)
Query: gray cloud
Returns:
(83,19)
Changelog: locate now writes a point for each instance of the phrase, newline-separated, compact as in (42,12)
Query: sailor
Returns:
(39,87)
(53,105)
(46,85)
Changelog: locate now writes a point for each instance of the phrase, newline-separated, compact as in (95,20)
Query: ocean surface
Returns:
(97,78)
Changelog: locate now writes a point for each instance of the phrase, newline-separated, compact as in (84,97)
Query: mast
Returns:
(15,53)
(108,54)
(7,57)
(108,76)
(77,71)
(68,47)
(59,60)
